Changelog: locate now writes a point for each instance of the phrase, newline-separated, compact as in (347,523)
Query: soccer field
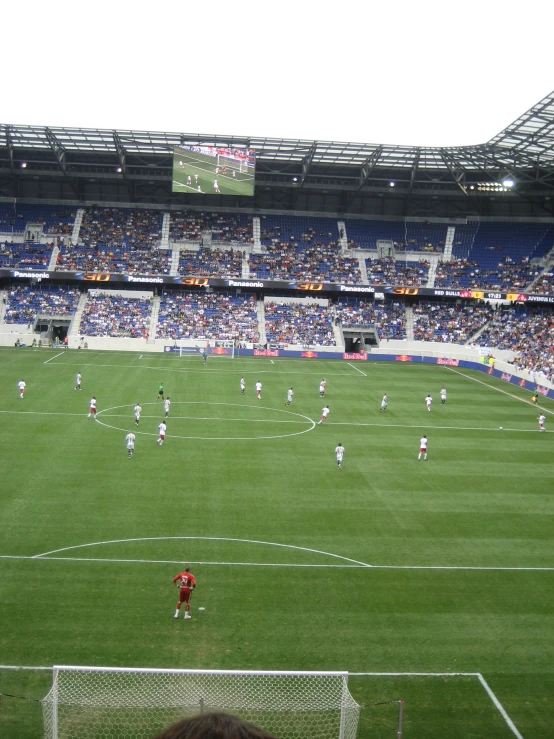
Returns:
(438,573)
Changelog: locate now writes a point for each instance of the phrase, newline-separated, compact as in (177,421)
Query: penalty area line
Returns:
(357,370)
(51,358)
(207,563)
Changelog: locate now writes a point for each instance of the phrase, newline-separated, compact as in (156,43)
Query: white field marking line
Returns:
(189,561)
(51,358)
(499,707)
(203,538)
(292,565)
(478,675)
(161,368)
(428,426)
(357,370)
(205,418)
(43,413)
(500,390)
(212,438)
(272,362)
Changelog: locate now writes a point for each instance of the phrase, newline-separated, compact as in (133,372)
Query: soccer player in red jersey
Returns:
(186,583)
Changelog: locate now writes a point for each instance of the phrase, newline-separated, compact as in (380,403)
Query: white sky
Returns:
(423,72)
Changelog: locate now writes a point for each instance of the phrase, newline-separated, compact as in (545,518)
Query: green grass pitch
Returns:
(194,163)
(456,544)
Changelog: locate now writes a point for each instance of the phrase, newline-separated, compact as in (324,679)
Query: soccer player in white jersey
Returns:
(189,180)
(322,386)
(78,381)
(216,186)
(21,385)
(242,385)
(339,451)
(196,178)
(324,413)
(92,407)
(428,401)
(259,390)
(443,395)
(138,410)
(542,419)
(217,170)
(290,393)
(423,448)
(384,403)
(234,175)
(130,439)
(167,406)
(162,429)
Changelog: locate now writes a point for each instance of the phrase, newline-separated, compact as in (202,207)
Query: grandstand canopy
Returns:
(513,173)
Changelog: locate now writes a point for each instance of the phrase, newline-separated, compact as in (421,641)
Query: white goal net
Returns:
(93,702)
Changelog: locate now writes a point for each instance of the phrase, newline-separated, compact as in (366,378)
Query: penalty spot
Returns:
(201,608)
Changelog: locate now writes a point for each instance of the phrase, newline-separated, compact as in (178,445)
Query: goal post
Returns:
(93,702)
(222,348)
(237,163)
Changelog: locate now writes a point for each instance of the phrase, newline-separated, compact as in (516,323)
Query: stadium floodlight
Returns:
(23,165)
(87,702)
(508,182)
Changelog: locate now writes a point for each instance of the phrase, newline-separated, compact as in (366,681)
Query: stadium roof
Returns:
(523,152)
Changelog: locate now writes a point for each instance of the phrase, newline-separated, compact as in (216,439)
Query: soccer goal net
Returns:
(93,702)
(236,163)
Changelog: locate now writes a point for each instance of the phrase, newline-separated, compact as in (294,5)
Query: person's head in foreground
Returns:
(213,726)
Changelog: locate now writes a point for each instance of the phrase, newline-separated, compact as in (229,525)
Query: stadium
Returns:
(389,595)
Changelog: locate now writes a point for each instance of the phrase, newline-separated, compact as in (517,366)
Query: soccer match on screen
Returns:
(213,170)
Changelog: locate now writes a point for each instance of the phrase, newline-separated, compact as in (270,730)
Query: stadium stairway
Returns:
(409,323)
(154,319)
(73,330)
(256,231)
(448,243)
(77,226)
(3,304)
(164,243)
(343,241)
(477,334)
(547,267)
(245,266)
(53,259)
(360,256)
(175,252)
(260,310)
(339,337)
(433,262)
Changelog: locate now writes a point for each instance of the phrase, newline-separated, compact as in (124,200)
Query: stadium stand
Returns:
(322,262)
(497,256)
(25,302)
(545,284)
(105,228)
(405,235)
(307,324)
(229,228)
(138,260)
(25,255)
(55,219)
(528,331)
(389,318)
(387,271)
(198,315)
(211,262)
(449,323)
(116,316)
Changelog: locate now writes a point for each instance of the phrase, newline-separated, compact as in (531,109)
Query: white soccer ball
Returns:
(501,428)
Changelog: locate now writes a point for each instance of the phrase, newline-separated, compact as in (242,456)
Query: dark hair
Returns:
(214,726)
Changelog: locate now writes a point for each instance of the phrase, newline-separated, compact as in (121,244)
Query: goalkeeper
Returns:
(186,583)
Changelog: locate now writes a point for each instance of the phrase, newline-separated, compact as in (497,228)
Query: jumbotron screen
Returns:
(213,170)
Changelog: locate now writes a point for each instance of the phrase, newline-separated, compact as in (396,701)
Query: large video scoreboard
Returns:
(214,170)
